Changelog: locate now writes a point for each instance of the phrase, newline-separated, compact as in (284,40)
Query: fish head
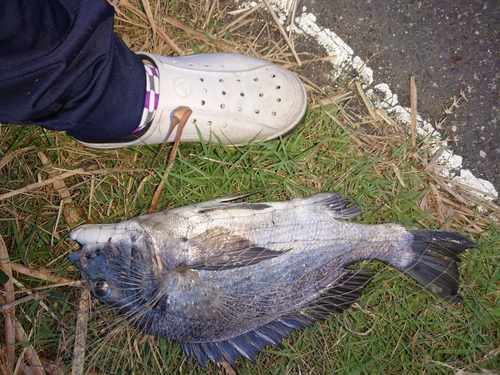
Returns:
(101,268)
(116,272)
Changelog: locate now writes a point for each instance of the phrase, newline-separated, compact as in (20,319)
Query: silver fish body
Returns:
(226,279)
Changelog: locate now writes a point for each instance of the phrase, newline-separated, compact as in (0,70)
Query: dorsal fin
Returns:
(338,206)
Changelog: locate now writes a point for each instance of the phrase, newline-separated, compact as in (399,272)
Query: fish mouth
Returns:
(75,258)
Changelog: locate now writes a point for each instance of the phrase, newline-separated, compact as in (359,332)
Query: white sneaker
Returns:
(237,98)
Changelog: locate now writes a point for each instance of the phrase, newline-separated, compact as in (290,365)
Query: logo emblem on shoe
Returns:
(183,87)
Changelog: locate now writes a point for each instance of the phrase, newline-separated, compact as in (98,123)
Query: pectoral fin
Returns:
(219,249)
(335,300)
(247,345)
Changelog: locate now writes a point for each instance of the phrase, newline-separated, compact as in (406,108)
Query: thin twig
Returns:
(9,313)
(455,104)
(345,128)
(38,293)
(125,4)
(82,317)
(283,32)
(58,185)
(398,174)
(413,113)
(430,167)
(445,186)
(9,157)
(292,17)
(333,99)
(33,360)
(19,301)
(228,370)
(78,171)
(149,15)
(368,103)
(242,17)
(197,34)
(40,273)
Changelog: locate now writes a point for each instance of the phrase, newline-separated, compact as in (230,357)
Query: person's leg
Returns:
(62,67)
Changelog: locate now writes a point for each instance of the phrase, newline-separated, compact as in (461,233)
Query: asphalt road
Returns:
(448,45)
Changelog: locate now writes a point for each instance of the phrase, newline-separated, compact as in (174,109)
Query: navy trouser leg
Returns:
(62,67)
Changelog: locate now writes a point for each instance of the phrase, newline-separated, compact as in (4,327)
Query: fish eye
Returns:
(101,288)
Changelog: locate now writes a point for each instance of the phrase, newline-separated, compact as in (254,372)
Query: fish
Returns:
(226,278)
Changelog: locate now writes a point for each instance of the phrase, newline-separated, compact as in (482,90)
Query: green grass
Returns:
(397,326)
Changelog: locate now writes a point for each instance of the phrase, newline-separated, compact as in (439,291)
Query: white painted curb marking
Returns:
(380,94)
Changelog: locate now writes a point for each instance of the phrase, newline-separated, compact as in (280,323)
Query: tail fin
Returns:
(435,264)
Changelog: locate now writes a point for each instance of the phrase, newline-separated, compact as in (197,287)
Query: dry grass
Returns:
(51,184)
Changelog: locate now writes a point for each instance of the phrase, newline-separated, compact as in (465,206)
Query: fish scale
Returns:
(226,279)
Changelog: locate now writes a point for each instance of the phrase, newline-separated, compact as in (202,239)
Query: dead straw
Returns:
(82,317)
(366,101)
(11,156)
(13,330)
(9,313)
(79,171)
(242,17)
(283,32)
(413,113)
(150,21)
(40,273)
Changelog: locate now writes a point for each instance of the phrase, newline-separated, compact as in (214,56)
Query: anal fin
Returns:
(340,296)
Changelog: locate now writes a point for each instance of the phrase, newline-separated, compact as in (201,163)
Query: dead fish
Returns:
(226,279)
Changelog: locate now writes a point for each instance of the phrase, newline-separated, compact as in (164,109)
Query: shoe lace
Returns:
(179,121)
